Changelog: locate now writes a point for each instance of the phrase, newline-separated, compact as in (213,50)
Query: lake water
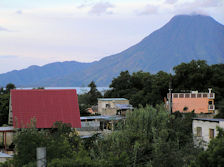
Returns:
(80,90)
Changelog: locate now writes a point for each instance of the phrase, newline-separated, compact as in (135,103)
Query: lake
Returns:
(80,90)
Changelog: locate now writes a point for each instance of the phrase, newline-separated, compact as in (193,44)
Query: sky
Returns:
(37,32)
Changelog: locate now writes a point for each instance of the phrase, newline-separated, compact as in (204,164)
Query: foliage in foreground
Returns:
(214,155)
(149,137)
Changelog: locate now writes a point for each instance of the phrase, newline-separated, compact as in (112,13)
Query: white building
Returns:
(204,129)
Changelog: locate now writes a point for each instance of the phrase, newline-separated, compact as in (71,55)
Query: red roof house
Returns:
(45,106)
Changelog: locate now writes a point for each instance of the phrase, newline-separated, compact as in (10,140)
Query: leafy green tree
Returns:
(57,140)
(216,82)
(9,87)
(221,110)
(26,141)
(4,103)
(148,136)
(4,108)
(93,94)
(192,76)
(213,156)
(140,88)
(88,99)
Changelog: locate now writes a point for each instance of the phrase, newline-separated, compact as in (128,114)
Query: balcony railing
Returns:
(211,107)
(211,95)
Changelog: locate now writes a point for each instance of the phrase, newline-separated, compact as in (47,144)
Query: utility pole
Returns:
(170,97)
(41,157)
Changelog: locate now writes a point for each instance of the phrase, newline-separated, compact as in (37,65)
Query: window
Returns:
(210,102)
(199,131)
(211,133)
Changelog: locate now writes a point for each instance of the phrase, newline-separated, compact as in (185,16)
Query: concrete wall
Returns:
(89,126)
(108,111)
(104,110)
(199,105)
(9,138)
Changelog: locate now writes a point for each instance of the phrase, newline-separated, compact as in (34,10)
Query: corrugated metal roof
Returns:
(8,128)
(111,99)
(4,155)
(124,106)
(46,106)
(103,117)
(209,119)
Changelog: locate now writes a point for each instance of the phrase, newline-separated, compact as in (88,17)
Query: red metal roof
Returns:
(45,106)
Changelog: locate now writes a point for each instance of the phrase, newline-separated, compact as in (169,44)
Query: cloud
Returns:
(209,3)
(101,8)
(171,1)
(197,7)
(19,12)
(3,29)
(8,56)
(149,10)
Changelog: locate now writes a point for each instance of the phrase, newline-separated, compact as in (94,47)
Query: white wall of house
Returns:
(206,128)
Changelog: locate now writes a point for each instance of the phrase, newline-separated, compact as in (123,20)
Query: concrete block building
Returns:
(200,102)
(113,106)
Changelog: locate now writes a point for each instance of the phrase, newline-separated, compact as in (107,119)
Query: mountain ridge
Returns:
(182,39)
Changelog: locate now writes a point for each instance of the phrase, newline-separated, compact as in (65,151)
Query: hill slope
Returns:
(183,38)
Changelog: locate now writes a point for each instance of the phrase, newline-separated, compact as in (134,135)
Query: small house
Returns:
(204,129)
(113,106)
(200,102)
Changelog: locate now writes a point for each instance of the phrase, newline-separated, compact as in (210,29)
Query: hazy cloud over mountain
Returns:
(101,8)
(148,10)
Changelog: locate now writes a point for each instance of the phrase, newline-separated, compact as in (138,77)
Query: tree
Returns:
(56,140)
(148,136)
(216,82)
(213,156)
(221,110)
(9,87)
(93,94)
(141,88)
(88,99)
(192,76)
(4,108)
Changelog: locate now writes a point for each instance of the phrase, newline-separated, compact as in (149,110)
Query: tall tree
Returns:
(93,94)
(192,76)
(10,86)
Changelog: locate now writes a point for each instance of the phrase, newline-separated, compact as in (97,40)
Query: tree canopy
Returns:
(143,88)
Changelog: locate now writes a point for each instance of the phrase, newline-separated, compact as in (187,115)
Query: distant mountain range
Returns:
(182,39)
